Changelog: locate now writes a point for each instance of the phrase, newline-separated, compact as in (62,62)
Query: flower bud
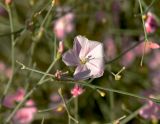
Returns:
(61,47)
(7,2)
(102,94)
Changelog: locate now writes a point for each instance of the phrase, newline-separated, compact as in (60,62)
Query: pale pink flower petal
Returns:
(76,91)
(70,59)
(84,47)
(95,50)
(150,111)
(82,72)
(96,67)
(87,55)
(80,46)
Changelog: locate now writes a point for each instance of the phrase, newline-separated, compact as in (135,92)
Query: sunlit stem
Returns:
(118,120)
(145,33)
(65,106)
(117,75)
(76,108)
(12,52)
(47,15)
(102,94)
(34,70)
(42,122)
(55,107)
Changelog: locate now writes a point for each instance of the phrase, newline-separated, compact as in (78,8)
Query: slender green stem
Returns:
(12,53)
(34,70)
(52,108)
(151,4)
(24,99)
(101,88)
(76,108)
(15,32)
(119,92)
(1,4)
(131,116)
(31,91)
(124,52)
(111,100)
(145,33)
(33,45)
(45,18)
(55,47)
(42,122)
(65,106)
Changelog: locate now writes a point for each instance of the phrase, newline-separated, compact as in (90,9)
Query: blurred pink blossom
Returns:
(19,95)
(150,23)
(100,16)
(63,26)
(2,67)
(154,62)
(30,103)
(76,91)
(11,99)
(110,48)
(8,1)
(150,111)
(155,78)
(8,72)
(55,97)
(5,71)
(3,12)
(128,58)
(149,46)
(24,115)
(55,103)
(116,10)
(87,55)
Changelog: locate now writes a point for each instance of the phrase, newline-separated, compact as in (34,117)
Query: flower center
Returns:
(85,60)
